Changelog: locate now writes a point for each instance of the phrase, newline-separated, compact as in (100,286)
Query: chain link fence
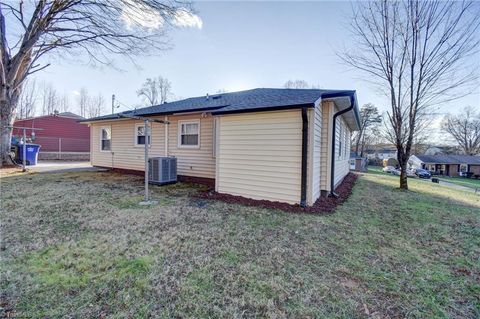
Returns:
(61,144)
(61,148)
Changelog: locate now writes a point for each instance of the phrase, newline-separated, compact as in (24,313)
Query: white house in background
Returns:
(381,154)
(287,145)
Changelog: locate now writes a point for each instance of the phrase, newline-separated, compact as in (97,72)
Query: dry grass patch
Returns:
(79,245)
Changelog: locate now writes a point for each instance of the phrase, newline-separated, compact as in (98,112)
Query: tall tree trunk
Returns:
(8,106)
(358,141)
(402,158)
(403,176)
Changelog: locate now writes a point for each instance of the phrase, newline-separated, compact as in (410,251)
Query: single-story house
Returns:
(287,145)
(448,165)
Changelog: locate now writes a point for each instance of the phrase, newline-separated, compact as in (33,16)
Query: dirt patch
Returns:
(10,169)
(323,205)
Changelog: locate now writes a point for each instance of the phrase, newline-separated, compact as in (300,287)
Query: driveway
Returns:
(63,167)
(455,186)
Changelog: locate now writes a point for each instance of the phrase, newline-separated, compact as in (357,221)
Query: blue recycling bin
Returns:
(31,154)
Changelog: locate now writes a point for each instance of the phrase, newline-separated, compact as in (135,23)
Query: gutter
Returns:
(337,114)
(265,109)
(118,116)
(303,190)
(215,110)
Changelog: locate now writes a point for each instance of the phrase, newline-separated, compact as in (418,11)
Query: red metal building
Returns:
(61,132)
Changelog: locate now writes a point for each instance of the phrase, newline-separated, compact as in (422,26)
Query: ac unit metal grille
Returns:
(162,170)
(173,169)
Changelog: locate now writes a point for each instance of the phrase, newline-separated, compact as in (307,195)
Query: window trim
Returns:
(179,133)
(135,140)
(109,127)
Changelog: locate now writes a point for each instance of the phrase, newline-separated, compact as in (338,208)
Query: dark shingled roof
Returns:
(70,114)
(243,101)
(450,159)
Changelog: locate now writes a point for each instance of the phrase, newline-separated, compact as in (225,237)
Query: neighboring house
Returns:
(272,144)
(60,134)
(381,154)
(448,165)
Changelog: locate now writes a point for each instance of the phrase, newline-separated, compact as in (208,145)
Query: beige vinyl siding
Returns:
(198,162)
(314,149)
(342,166)
(259,155)
(97,156)
(325,145)
(124,154)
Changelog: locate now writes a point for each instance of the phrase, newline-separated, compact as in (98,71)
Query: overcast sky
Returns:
(239,46)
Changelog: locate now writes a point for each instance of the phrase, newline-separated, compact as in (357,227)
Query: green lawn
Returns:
(77,245)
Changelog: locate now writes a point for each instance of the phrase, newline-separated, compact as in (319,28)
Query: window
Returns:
(105,138)
(463,168)
(140,135)
(189,133)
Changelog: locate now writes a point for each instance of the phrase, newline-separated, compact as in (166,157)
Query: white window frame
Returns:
(101,138)
(179,133)
(146,139)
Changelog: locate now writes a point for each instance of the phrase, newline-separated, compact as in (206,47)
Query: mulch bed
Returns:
(323,205)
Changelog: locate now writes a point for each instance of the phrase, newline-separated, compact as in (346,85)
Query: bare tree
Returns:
(28,99)
(369,118)
(418,52)
(465,130)
(82,101)
(49,99)
(296,84)
(96,105)
(155,91)
(63,103)
(99,28)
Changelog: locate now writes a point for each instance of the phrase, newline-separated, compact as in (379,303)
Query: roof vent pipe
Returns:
(207,96)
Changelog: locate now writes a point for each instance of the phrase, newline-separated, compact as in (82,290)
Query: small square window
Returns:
(189,134)
(140,135)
